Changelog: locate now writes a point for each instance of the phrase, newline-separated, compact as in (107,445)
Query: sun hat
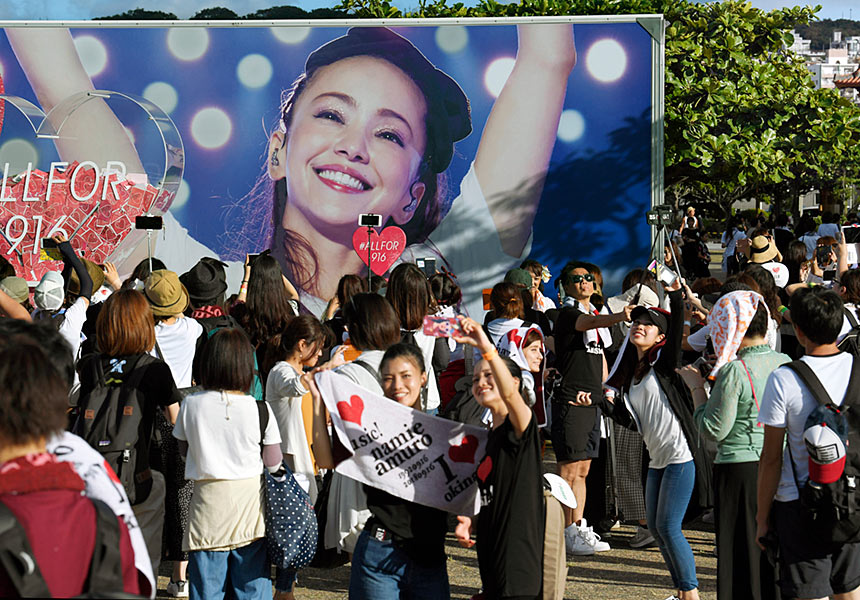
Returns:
(16,288)
(652,315)
(204,283)
(50,291)
(448,113)
(93,270)
(165,293)
(762,250)
(519,277)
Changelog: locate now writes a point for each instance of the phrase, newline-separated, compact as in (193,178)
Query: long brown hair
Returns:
(410,295)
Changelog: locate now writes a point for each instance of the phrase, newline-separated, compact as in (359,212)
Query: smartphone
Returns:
(49,250)
(428,265)
(822,255)
(663,273)
(440,326)
(252,258)
(852,243)
(702,365)
(148,222)
(369,220)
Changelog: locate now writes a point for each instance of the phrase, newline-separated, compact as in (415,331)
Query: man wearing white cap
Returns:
(811,564)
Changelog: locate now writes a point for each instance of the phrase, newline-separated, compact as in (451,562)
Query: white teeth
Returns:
(342,179)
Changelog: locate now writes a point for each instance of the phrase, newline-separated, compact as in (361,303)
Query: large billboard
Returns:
(486,143)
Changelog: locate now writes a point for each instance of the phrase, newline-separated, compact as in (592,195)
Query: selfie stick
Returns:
(369,270)
(149,247)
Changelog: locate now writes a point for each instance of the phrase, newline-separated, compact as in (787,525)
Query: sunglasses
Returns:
(579,278)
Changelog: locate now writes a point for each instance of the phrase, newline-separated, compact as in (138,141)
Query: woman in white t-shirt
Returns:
(299,346)
(219,430)
(731,236)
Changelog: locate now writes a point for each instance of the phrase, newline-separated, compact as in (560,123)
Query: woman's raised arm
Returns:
(54,70)
(516,145)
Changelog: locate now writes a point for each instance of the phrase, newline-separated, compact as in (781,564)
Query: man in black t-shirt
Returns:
(580,338)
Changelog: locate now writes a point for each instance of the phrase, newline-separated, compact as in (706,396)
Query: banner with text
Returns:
(405,452)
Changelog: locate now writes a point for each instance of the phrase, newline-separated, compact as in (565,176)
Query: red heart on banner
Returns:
(385,248)
(485,468)
(351,411)
(465,450)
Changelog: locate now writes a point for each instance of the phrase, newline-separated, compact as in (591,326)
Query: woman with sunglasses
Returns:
(581,336)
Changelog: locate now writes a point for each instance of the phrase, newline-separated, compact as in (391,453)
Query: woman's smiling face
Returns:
(355,144)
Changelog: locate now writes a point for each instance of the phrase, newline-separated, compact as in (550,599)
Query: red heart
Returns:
(485,468)
(351,411)
(515,338)
(385,247)
(465,450)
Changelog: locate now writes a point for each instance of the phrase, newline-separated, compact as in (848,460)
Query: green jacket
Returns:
(730,416)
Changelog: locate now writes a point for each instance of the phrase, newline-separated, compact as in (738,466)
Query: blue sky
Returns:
(87,9)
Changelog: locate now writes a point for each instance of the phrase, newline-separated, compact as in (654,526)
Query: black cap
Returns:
(654,316)
(204,282)
(448,118)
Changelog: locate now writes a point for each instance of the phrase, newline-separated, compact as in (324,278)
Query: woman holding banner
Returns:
(510,525)
(401,552)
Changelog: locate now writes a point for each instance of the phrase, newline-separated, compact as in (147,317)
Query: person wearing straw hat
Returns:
(175,335)
(763,251)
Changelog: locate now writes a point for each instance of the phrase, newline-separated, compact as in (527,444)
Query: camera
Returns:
(822,255)
(661,215)
(369,220)
(148,222)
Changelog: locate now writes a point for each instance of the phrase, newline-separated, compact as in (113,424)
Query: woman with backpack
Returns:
(412,298)
(652,399)
(510,525)
(401,551)
(125,334)
(219,430)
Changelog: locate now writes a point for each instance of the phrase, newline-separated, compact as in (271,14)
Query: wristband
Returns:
(243,287)
(686,324)
(488,356)
(782,309)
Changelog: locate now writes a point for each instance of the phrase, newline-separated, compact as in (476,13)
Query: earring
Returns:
(274,161)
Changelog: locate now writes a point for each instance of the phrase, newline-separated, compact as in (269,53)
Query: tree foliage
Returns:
(217,13)
(139,14)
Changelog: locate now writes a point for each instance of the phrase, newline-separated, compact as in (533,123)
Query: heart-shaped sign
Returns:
(379,250)
(465,450)
(93,205)
(351,411)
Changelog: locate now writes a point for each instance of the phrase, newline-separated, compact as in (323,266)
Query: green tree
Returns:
(217,13)
(139,14)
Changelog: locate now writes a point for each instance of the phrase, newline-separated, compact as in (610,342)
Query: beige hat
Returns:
(762,250)
(93,270)
(166,295)
(16,288)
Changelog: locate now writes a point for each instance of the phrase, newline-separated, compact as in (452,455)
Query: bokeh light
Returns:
(606,60)
(211,128)
(18,152)
(571,126)
(188,43)
(290,35)
(497,74)
(162,94)
(452,38)
(182,195)
(254,71)
(92,53)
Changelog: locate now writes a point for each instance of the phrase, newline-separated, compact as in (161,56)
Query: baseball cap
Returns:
(50,291)
(826,450)
(654,316)
(519,277)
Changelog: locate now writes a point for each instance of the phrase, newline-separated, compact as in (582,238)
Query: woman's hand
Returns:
(337,359)
(463,532)
(473,335)
(111,275)
(676,285)
(582,399)
(59,238)
(691,376)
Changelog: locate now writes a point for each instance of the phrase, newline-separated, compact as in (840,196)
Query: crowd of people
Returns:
(137,417)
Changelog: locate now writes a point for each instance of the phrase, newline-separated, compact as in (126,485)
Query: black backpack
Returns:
(851,342)
(835,506)
(109,418)
(104,579)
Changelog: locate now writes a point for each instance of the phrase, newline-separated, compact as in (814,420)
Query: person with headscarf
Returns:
(729,417)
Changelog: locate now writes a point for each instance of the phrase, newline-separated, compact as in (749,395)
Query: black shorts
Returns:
(575,432)
(810,567)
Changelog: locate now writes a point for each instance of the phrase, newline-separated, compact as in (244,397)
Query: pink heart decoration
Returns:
(465,450)
(385,248)
(485,468)
(351,411)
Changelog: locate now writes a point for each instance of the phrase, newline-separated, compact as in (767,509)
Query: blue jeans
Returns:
(244,571)
(667,494)
(381,571)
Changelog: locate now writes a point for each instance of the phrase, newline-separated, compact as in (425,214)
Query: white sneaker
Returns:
(574,544)
(642,538)
(587,534)
(177,589)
